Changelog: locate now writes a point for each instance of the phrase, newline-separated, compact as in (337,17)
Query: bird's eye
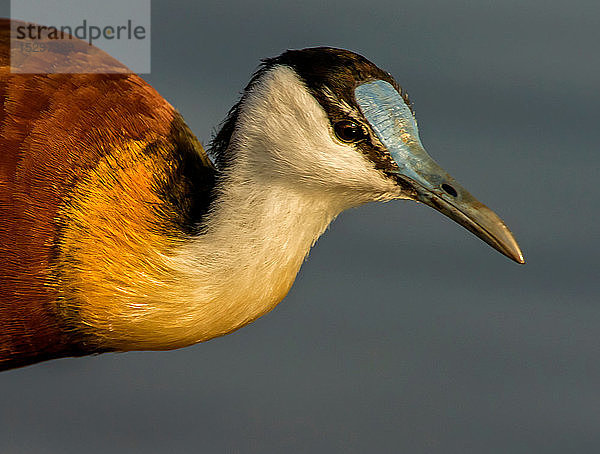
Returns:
(349,131)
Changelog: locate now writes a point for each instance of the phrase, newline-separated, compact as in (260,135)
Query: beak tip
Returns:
(514,253)
(521,259)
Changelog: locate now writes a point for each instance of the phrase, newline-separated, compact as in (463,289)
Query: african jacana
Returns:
(118,233)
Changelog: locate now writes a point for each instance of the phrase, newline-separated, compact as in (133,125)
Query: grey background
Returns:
(403,332)
(135,54)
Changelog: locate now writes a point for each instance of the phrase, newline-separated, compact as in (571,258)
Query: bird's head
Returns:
(331,122)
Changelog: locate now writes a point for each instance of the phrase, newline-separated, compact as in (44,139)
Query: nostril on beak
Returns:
(449,190)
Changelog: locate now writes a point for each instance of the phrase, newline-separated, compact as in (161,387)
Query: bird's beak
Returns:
(395,126)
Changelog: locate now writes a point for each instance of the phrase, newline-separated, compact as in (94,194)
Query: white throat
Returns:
(248,257)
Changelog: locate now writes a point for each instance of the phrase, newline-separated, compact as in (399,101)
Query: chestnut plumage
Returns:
(62,136)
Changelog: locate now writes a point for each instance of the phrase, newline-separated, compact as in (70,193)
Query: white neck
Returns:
(288,179)
(248,257)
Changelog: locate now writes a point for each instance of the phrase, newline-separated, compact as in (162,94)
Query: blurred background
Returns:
(403,332)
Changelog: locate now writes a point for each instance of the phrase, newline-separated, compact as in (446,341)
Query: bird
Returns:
(120,232)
